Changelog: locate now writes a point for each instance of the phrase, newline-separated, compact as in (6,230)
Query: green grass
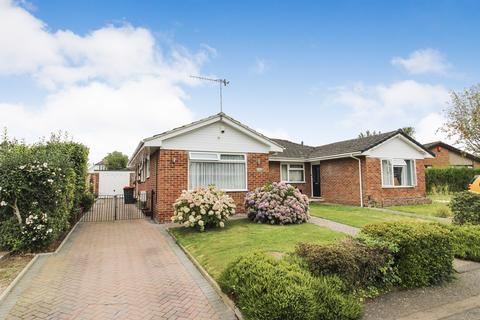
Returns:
(424,209)
(216,248)
(353,216)
(440,197)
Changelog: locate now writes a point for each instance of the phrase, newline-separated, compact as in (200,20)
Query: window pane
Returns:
(284,173)
(236,157)
(410,174)
(296,175)
(399,175)
(230,176)
(296,166)
(203,156)
(387,173)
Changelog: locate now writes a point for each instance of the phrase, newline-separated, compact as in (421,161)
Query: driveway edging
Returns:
(209,279)
(22,273)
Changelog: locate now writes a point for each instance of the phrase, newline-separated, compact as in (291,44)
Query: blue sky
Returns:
(316,71)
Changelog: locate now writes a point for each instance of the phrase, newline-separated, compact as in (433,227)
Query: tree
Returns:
(116,161)
(368,133)
(463,118)
(409,131)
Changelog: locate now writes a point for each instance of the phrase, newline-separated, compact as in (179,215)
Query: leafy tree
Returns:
(409,131)
(463,118)
(369,133)
(116,161)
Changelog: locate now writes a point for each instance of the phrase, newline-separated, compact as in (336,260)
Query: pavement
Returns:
(128,269)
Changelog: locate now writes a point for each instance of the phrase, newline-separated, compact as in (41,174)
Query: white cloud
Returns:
(389,107)
(108,89)
(423,61)
(260,66)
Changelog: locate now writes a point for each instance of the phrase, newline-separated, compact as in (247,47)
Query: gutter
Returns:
(360,177)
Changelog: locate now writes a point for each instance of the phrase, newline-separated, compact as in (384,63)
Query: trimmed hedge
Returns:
(449,179)
(466,208)
(425,251)
(363,264)
(466,241)
(266,288)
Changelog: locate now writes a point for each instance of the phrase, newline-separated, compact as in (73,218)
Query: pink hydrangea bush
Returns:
(203,208)
(277,203)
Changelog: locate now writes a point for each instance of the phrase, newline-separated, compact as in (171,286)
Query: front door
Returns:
(316,180)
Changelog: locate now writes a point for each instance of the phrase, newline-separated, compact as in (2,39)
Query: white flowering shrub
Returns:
(203,208)
(36,230)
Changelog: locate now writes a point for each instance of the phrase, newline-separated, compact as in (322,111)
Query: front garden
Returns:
(276,266)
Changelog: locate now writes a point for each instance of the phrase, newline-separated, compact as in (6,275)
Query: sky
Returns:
(113,72)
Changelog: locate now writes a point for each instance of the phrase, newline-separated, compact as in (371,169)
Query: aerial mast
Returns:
(221,83)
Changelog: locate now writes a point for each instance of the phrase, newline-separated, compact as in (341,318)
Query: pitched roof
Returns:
(294,150)
(358,145)
(470,156)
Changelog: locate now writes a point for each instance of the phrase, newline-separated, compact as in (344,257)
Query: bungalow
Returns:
(382,170)
(449,156)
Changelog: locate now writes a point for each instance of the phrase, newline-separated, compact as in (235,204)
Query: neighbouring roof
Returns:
(442,144)
(351,146)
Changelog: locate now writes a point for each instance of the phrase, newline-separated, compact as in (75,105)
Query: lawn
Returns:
(216,248)
(10,267)
(353,216)
(441,197)
(432,209)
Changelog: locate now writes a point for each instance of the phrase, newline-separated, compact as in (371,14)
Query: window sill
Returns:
(291,182)
(226,190)
(398,187)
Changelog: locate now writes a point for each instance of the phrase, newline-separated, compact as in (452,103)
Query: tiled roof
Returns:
(451,148)
(295,150)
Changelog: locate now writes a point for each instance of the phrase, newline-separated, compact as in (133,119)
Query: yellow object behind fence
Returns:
(474,186)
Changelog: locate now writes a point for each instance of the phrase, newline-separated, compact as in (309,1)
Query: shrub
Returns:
(365,265)
(36,231)
(466,208)
(442,212)
(86,201)
(277,203)
(466,241)
(10,232)
(203,208)
(266,288)
(425,252)
(449,179)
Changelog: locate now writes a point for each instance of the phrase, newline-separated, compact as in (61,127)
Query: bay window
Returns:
(292,173)
(225,171)
(398,173)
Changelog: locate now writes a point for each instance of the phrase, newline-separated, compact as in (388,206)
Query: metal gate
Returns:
(111,208)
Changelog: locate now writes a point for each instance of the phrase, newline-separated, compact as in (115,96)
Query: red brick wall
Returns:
(441,158)
(172,179)
(305,188)
(339,181)
(376,195)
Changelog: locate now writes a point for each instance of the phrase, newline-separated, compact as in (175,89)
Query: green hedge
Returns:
(364,264)
(465,207)
(425,251)
(449,179)
(466,241)
(266,288)
(45,182)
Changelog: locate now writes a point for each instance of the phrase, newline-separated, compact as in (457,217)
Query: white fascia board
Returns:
(336,156)
(280,159)
(415,146)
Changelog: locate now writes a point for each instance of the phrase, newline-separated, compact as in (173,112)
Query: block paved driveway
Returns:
(115,270)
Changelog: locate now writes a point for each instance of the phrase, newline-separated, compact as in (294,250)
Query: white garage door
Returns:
(112,182)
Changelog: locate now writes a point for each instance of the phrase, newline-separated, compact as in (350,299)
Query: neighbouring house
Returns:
(105,182)
(382,170)
(449,156)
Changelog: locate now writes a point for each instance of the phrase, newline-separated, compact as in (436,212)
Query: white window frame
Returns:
(293,169)
(147,167)
(197,158)
(414,173)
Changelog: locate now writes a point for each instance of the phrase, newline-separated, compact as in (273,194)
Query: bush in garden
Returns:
(425,250)
(466,241)
(203,208)
(86,201)
(466,208)
(39,177)
(364,264)
(449,179)
(36,231)
(277,203)
(266,288)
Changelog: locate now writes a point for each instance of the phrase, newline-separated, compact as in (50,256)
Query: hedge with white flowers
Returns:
(203,208)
